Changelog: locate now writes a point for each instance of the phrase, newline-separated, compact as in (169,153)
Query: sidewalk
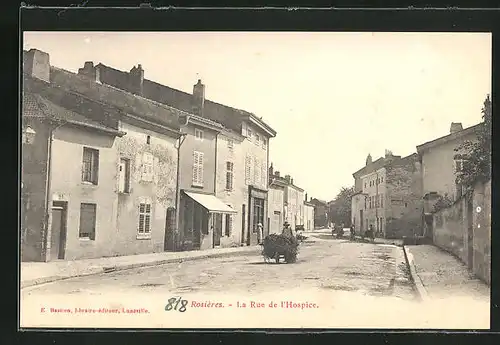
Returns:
(438,274)
(34,273)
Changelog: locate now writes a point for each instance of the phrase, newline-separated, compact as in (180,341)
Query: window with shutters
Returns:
(257,139)
(198,169)
(256,177)
(249,134)
(87,221)
(229,225)
(248,169)
(147,167)
(144,225)
(264,143)
(90,165)
(229,176)
(198,134)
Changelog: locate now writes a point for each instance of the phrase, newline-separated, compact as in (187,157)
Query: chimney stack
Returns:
(369,159)
(136,80)
(456,127)
(199,98)
(277,173)
(271,170)
(287,178)
(37,64)
(306,196)
(291,181)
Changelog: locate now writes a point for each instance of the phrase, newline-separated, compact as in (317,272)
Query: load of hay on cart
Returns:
(280,246)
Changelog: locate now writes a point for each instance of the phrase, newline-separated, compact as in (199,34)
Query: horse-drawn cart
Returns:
(279,247)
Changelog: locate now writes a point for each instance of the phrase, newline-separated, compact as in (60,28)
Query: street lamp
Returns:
(28,135)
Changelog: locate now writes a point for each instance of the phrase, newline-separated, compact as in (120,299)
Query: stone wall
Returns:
(468,218)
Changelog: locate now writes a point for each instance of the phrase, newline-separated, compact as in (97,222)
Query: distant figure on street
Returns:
(286,230)
(259,233)
(372,232)
(352,232)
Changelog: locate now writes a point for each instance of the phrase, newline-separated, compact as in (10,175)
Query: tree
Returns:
(340,209)
(476,155)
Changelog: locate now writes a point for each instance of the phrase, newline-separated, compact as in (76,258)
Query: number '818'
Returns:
(173,304)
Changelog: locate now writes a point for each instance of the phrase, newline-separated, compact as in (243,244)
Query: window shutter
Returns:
(195,167)
(264,175)
(200,172)
(247,169)
(256,171)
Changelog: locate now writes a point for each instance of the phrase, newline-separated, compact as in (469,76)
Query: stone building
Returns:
(99,175)
(320,213)
(308,215)
(388,196)
(277,186)
(440,163)
(252,204)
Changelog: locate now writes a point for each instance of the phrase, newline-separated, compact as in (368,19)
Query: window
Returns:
(198,169)
(124,176)
(257,139)
(87,221)
(459,165)
(90,166)
(147,166)
(256,171)
(249,134)
(229,176)
(264,143)
(144,226)
(248,171)
(148,139)
(365,184)
(198,134)
(229,224)
(230,145)
(406,204)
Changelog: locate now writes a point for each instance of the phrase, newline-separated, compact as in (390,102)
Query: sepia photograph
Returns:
(243,180)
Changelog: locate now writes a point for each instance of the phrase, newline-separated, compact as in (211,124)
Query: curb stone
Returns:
(421,291)
(110,269)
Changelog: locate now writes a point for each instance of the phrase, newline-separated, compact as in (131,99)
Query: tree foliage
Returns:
(476,155)
(340,209)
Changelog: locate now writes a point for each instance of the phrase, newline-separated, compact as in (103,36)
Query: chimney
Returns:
(291,181)
(287,178)
(277,173)
(136,80)
(271,170)
(306,196)
(369,159)
(37,65)
(199,98)
(456,127)
(90,71)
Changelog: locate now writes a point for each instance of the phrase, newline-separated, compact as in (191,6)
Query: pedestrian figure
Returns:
(286,230)
(372,232)
(259,233)
(352,232)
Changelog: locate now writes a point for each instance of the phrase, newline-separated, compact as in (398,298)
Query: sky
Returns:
(332,97)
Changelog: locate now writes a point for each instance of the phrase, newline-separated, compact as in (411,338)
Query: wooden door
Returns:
(58,231)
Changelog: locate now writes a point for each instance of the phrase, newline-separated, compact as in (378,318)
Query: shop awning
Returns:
(211,203)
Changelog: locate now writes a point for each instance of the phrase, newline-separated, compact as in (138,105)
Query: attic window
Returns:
(148,139)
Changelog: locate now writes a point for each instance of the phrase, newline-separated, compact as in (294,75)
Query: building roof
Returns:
(228,116)
(379,163)
(123,100)
(447,138)
(35,105)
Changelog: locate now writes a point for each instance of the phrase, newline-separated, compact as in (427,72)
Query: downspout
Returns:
(215,175)
(377,203)
(177,193)
(45,230)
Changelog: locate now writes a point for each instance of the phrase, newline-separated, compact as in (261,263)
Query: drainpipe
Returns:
(45,233)
(377,204)
(177,192)
(215,175)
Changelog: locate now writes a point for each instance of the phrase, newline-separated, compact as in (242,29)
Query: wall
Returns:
(357,204)
(451,230)
(161,190)
(208,147)
(238,196)
(374,185)
(308,217)
(404,204)
(295,206)
(34,167)
(276,211)
(438,168)
(67,185)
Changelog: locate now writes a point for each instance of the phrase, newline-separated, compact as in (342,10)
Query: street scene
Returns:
(151,199)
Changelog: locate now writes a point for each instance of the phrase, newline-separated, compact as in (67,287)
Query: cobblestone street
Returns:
(323,263)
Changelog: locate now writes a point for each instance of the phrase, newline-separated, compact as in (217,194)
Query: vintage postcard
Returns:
(256,180)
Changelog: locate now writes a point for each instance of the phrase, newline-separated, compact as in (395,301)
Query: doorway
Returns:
(470,235)
(243,213)
(58,230)
(217,219)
